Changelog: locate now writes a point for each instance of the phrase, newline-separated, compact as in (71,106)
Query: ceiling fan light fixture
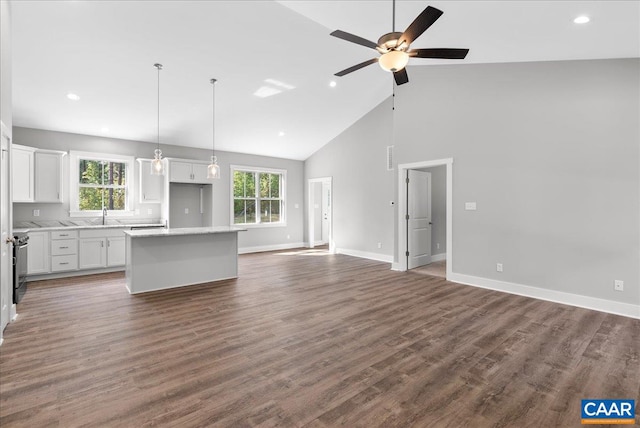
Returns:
(394,61)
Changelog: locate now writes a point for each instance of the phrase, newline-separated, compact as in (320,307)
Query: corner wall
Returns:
(550,153)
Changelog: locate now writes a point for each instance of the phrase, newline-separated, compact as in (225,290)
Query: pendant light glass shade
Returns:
(213,170)
(157,164)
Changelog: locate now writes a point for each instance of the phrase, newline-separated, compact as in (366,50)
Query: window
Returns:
(100,181)
(258,196)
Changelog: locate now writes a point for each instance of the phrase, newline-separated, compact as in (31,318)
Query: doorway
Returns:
(320,212)
(414,215)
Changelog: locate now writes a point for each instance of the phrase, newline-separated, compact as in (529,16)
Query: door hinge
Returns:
(407,180)
(406,254)
(407,217)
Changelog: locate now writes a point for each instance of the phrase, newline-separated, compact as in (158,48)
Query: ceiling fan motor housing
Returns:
(389,42)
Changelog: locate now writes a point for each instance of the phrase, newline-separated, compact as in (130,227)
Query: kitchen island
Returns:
(158,259)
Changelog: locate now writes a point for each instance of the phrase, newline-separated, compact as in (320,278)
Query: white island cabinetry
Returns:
(167,258)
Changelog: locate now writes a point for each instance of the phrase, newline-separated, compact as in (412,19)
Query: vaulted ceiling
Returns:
(104,52)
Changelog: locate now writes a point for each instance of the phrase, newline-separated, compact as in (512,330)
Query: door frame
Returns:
(311,211)
(6,278)
(401,259)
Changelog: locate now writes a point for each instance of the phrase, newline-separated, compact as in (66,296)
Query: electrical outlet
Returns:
(499,267)
(438,246)
(149,211)
(379,244)
(186,210)
(618,285)
(288,236)
(470,206)
(36,213)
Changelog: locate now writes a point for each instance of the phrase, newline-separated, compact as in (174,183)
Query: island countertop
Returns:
(147,233)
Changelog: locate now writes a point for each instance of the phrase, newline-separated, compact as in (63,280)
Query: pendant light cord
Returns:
(213,118)
(159,67)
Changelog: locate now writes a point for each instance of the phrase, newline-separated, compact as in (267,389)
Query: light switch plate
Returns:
(470,206)
(186,210)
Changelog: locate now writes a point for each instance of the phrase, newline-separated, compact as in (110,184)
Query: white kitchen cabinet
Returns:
(48,176)
(188,172)
(100,248)
(22,173)
(115,251)
(151,186)
(93,253)
(38,261)
(64,250)
(36,174)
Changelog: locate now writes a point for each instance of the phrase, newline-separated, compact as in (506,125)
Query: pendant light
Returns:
(213,170)
(157,164)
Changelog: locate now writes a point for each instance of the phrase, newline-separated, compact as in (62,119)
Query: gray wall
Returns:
(254,237)
(362,186)
(549,151)
(5,64)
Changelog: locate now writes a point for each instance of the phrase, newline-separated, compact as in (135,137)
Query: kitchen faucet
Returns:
(104,214)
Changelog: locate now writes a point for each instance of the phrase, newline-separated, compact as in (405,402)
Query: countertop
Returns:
(182,231)
(47,225)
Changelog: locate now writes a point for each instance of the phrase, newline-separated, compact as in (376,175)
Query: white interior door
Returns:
(326,211)
(419,218)
(6,248)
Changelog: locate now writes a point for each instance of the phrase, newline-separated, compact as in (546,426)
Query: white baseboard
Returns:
(439,257)
(602,305)
(365,255)
(263,248)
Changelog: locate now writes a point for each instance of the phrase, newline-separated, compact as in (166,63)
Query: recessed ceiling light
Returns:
(279,84)
(333,83)
(281,134)
(581,19)
(73,97)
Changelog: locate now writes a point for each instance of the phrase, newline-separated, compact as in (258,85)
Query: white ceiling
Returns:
(104,51)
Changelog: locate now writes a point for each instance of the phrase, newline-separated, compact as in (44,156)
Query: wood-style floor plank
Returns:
(304,338)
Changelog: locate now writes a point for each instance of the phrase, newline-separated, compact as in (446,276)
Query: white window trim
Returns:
(74,157)
(283,192)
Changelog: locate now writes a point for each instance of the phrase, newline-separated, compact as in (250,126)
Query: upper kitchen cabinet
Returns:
(48,176)
(36,174)
(22,171)
(181,171)
(151,186)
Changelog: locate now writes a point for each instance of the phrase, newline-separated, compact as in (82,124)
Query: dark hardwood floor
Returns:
(304,338)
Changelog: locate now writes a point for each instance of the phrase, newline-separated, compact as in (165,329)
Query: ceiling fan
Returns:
(395,49)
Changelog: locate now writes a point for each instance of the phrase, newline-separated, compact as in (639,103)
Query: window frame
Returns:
(74,183)
(283,196)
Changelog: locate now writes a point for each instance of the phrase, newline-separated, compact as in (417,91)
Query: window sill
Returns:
(99,213)
(259,225)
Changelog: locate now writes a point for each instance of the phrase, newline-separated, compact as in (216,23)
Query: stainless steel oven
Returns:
(20,246)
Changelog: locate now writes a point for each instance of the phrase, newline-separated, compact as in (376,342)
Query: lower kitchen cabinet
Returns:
(93,253)
(38,261)
(101,248)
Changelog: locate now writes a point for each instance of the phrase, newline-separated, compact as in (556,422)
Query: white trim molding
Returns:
(400,261)
(602,305)
(264,248)
(365,255)
(439,257)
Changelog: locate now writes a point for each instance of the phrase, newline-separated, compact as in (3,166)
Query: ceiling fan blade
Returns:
(356,67)
(420,24)
(401,76)
(354,39)
(443,53)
